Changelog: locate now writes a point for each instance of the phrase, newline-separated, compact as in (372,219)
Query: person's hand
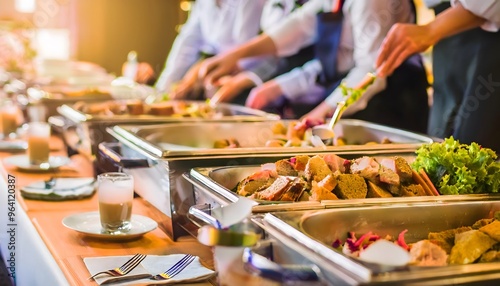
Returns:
(144,72)
(319,113)
(189,83)
(261,96)
(230,86)
(402,41)
(212,69)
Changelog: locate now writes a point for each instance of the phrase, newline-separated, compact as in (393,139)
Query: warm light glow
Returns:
(25,6)
(185,6)
(52,44)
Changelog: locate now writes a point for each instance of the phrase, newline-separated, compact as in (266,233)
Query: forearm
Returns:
(259,46)
(453,21)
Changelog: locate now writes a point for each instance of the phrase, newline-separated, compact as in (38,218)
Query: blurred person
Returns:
(466,67)
(213,26)
(347,36)
(274,11)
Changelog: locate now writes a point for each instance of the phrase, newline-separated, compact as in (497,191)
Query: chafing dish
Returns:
(311,233)
(167,156)
(193,139)
(91,129)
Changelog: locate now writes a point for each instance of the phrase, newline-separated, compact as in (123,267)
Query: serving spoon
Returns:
(323,135)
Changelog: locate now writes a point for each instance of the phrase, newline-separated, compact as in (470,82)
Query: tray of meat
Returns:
(421,243)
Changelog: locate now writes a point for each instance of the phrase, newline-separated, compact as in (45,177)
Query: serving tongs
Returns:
(323,135)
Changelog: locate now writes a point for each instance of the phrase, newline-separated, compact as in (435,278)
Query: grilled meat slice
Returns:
(295,190)
(256,182)
(367,168)
(274,191)
(335,163)
(446,239)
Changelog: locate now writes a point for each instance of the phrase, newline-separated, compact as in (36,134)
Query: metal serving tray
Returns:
(312,233)
(91,129)
(194,139)
(164,184)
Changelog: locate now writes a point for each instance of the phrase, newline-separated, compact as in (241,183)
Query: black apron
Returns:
(404,102)
(467,88)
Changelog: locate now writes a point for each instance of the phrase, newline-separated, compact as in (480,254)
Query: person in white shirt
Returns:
(213,27)
(240,84)
(345,55)
(466,68)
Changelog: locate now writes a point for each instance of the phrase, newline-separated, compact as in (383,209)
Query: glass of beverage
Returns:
(38,137)
(115,195)
(9,119)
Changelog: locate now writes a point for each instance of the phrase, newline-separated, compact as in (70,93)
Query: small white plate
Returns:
(22,163)
(90,225)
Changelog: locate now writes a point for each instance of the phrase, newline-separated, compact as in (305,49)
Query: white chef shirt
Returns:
(365,25)
(211,29)
(487,9)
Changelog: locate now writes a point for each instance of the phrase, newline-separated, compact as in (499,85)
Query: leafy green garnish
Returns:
(354,93)
(459,168)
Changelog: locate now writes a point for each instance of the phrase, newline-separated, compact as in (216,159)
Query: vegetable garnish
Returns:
(459,168)
(355,93)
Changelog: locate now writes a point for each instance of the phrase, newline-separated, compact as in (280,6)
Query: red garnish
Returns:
(401,240)
(337,243)
(293,160)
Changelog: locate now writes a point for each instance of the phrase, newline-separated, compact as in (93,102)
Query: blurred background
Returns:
(97,31)
(101,32)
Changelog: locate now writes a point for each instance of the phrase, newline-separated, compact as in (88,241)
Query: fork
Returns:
(176,268)
(125,268)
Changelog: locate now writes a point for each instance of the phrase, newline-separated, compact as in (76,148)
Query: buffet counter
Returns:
(48,253)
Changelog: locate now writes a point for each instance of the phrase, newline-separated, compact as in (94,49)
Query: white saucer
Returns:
(90,225)
(22,163)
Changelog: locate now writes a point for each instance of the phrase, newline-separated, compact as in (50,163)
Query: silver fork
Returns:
(125,268)
(176,268)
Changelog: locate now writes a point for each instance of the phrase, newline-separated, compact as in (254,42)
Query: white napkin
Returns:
(63,189)
(151,265)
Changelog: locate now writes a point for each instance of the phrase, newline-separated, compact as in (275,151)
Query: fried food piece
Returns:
(403,169)
(135,107)
(446,239)
(322,190)
(350,186)
(490,256)
(295,190)
(375,191)
(161,108)
(482,222)
(412,190)
(492,229)
(469,246)
(316,169)
(279,128)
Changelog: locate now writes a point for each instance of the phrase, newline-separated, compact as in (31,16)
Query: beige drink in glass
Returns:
(9,114)
(38,137)
(115,195)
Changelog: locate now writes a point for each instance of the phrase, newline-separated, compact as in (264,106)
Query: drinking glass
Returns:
(115,195)
(38,137)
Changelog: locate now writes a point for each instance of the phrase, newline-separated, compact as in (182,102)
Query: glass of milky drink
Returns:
(38,137)
(115,195)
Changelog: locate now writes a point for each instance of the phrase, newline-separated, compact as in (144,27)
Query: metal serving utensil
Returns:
(323,135)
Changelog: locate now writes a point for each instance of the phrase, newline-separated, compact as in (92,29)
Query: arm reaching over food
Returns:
(404,40)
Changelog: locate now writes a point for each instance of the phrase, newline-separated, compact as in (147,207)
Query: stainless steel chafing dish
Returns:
(311,233)
(91,129)
(162,164)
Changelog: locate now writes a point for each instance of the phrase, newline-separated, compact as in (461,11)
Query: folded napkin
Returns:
(151,265)
(60,189)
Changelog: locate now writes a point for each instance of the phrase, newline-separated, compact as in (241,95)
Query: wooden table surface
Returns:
(70,247)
